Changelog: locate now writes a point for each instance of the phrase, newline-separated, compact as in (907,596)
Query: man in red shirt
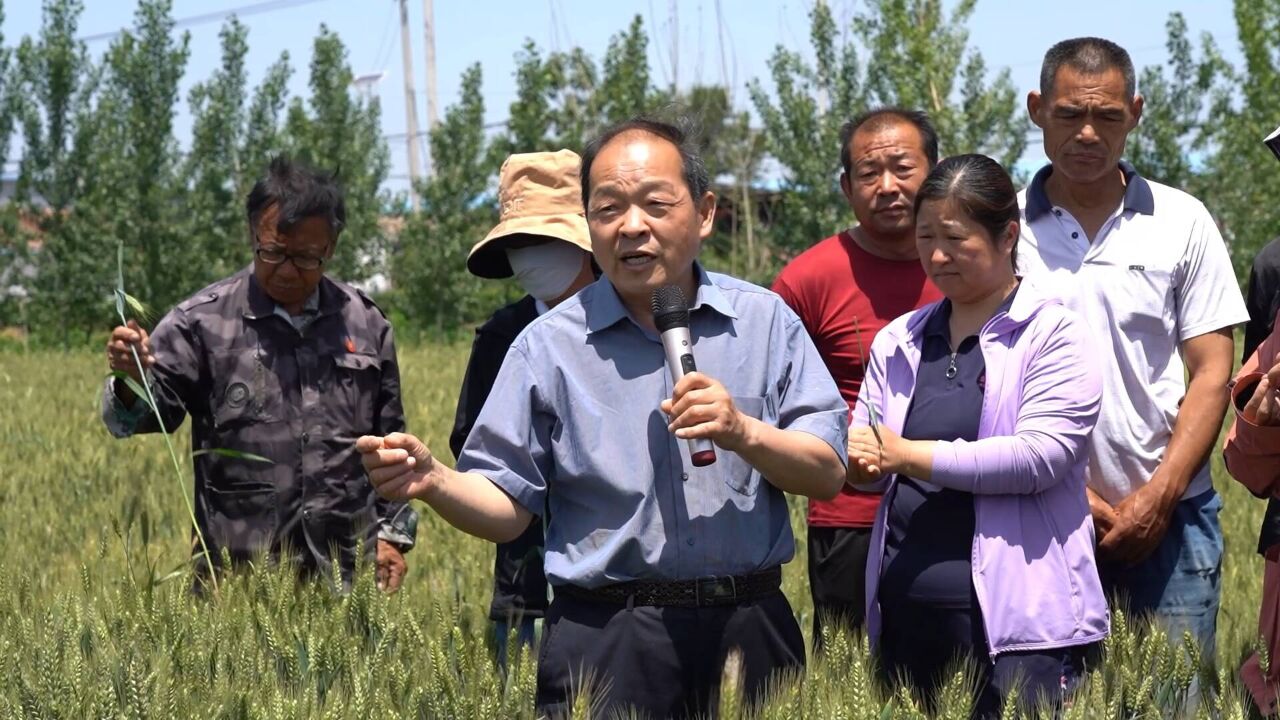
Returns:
(845,289)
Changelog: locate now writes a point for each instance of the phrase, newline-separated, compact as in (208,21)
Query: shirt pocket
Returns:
(349,403)
(739,474)
(1138,299)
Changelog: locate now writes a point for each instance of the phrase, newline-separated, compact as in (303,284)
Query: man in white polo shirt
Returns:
(1146,266)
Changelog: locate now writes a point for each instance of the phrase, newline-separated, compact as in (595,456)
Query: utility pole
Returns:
(410,105)
(675,45)
(429,31)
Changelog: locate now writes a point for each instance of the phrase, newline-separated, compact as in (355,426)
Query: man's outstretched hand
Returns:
(399,465)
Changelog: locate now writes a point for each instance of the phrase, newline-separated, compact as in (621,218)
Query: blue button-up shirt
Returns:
(573,431)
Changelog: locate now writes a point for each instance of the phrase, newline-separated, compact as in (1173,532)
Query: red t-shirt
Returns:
(834,287)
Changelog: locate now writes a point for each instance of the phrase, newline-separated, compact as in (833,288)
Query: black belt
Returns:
(702,592)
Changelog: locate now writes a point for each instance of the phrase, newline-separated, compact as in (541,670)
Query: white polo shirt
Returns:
(1157,274)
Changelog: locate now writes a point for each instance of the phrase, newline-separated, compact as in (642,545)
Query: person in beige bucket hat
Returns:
(541,202)
(542,242)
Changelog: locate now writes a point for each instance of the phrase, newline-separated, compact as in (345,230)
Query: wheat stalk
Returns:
(123,298)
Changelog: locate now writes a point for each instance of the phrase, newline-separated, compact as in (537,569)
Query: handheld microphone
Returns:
(671,315)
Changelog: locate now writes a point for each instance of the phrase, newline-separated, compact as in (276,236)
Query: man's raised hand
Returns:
(701,407)
(125,339)
(399,465)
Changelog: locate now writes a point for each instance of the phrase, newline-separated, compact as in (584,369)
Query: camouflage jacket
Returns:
(297,394)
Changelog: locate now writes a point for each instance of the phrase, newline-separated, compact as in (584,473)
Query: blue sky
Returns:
(684,45)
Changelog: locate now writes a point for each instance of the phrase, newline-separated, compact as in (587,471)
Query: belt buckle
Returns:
(715,589)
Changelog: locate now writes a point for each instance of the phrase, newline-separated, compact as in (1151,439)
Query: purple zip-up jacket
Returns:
(1033,546)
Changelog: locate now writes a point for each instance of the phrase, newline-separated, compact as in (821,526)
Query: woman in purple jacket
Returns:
(983,548)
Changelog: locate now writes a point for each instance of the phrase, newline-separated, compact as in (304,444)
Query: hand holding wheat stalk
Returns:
(143,391)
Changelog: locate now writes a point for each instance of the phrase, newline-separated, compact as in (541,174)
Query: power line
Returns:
(244,10)
(424,133)
(384,46)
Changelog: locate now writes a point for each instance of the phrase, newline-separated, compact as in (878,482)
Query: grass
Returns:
(96,619)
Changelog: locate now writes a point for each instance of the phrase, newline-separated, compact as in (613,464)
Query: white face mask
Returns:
(546,271)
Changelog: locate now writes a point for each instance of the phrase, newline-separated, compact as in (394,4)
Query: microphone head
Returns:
(670,309)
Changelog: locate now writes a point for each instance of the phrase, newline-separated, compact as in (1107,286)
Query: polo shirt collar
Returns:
(1138,197)
(607,310)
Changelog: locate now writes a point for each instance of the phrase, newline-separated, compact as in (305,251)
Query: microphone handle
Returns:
(678,346)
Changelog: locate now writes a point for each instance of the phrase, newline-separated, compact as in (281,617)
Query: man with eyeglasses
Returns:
(279,368)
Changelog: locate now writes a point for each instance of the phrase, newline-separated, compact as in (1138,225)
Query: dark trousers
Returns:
(519,589)
(519,582)
(838,577)
(663,661)
(920,644)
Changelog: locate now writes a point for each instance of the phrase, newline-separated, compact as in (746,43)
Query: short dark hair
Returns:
(299,192)
(1090,56)
(881,118)
(980,187)
(678,133)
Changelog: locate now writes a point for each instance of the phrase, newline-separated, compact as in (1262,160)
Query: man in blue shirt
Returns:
(660,569)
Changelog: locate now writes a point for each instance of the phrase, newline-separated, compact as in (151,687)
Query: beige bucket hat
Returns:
(539,195)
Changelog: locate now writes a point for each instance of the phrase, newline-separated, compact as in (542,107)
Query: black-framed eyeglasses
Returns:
(277,257)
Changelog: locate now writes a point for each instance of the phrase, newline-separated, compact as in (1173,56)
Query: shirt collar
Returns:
(309,309)
(260,305)
(939,321)
(606,309)
(1137,194)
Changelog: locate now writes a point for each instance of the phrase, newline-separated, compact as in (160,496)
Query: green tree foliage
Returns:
(12,246)
(1241,172)
(334,131)
(802,120)
(215,170)
(625,90)
(101,165)
(1177,105)
(136,156)
(1203,124)
(263,135)
(530,122)
(560,99)
(428,267)
(563,97)
(8,99)
(55,84)
(732,151)
(917,57)
(234,135)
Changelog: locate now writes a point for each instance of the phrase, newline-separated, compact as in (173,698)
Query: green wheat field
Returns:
(96,618)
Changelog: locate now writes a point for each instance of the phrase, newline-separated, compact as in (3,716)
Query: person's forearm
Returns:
(1021,464)
(793,461)
(1195,433)
(916,459)
(1251,451)
(474,505)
